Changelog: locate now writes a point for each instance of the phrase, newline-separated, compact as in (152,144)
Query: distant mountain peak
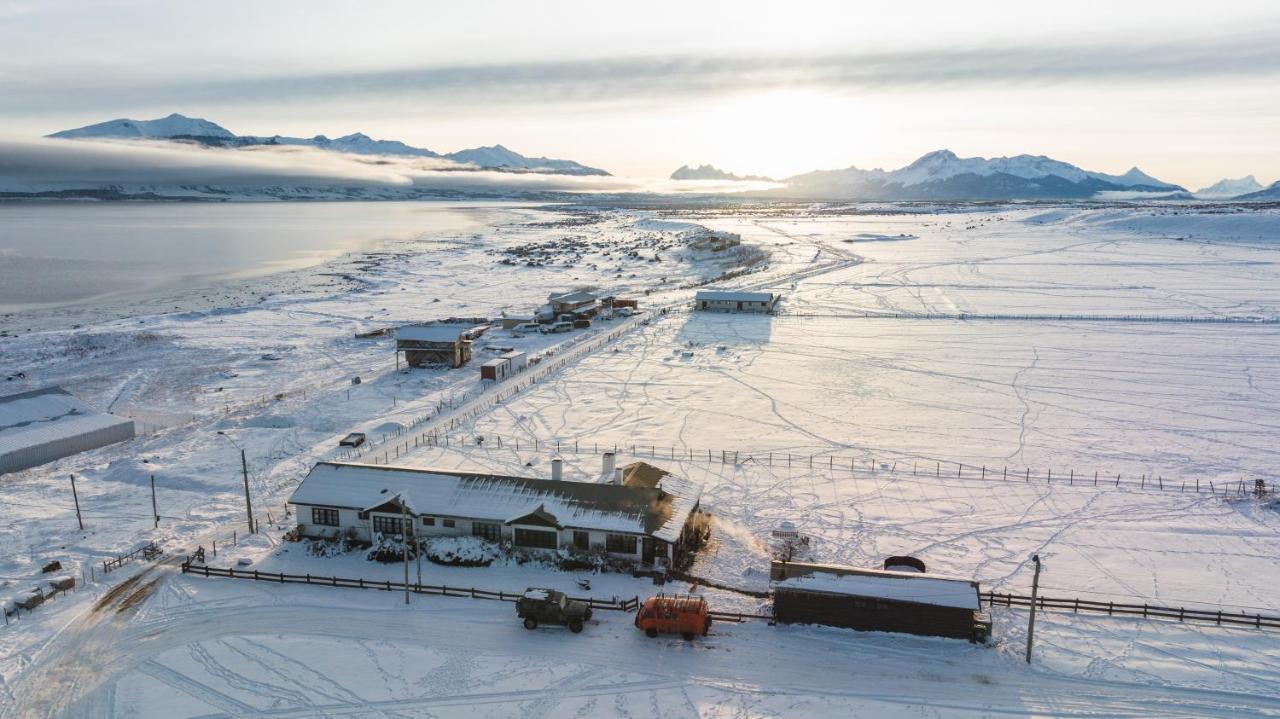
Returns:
(711,172)
(173,125)
(1227,188)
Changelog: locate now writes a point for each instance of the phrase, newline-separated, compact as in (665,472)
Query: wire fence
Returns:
(935,468)
(998,317)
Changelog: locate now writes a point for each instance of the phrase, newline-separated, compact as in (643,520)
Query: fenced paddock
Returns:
(936,468)
(1219,617)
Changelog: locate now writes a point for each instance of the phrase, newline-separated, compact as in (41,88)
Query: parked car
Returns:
(355,439)
(683,614)
(526,327)
(557,327)
(548,606)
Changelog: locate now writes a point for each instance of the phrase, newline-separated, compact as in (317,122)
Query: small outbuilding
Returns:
(575,302)
(735,301)
(434,345)
(48,424)
(496,369)
(875,600)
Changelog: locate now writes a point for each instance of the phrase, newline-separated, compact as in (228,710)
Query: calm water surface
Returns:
(61,254)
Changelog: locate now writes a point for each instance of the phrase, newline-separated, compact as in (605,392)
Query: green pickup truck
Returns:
(548,606)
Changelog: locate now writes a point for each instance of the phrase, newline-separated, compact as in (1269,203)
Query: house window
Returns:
(327,517)
(449,523)
(535,539)
(428,521)
(387,525)
(620,543)
(363,515)
(581,539)
(484,530)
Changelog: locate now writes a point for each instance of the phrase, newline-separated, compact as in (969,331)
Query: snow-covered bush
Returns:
(462,551)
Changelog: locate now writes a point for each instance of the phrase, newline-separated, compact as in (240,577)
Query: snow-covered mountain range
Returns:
(181,128)
(1272,192)
(942,175)
(1223,189)
(711,172)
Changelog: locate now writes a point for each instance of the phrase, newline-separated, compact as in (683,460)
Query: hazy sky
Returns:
(1185,90)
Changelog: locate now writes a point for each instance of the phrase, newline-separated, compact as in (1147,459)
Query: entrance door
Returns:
(646,550)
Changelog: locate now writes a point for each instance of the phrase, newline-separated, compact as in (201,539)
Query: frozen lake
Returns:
(55,255)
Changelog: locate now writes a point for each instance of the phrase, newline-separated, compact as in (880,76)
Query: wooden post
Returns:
(75,497)
(1031,621)
(154,512)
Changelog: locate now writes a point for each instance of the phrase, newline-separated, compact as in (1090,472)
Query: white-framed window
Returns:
(323,516)
(620,543)
(387,525)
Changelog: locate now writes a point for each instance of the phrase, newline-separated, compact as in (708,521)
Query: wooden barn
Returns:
(575,302)
(434,345)
(874,600)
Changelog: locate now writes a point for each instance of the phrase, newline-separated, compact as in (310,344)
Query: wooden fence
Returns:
(1146,611)
(150,550)
(188,567)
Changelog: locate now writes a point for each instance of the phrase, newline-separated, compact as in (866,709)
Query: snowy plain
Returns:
(818,384)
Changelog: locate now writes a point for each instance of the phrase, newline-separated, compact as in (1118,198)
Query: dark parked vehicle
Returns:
(355,439)
(547,606)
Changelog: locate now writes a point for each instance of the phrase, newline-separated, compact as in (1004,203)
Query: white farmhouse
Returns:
(735,301)
(648,516)
(47,424)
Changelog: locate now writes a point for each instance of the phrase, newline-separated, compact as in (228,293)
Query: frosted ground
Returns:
(1178,401)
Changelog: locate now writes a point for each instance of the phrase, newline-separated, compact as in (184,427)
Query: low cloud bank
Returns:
(47,164)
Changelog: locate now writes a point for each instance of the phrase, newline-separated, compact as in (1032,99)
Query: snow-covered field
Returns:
(873,404)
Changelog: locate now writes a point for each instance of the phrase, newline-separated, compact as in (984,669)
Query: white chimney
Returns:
(557,469)
(608,463)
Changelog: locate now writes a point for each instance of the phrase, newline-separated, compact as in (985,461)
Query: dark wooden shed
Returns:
(875,600)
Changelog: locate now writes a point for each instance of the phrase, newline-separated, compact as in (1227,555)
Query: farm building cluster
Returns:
(44,425)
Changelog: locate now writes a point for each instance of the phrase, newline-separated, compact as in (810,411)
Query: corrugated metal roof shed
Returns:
(47,424)
(432,333)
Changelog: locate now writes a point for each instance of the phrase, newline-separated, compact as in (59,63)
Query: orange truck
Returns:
(682,614)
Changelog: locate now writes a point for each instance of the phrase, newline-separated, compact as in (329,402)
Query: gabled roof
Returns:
(661,513)
(882,584)
(733,296)
(643,474)
(432,333)
(539,516)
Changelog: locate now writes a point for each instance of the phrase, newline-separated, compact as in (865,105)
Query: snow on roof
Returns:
(661,513)
(571,297)
(497,362)
(733,296)
(432,333)
(540,595)
(898,586)
(47,415)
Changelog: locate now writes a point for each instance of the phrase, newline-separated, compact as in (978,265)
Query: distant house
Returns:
(876,600)
(575,302)
(735,301)
(654,524)
(434,345)
(47,424)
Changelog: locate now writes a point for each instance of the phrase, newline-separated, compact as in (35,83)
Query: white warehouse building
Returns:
(735,301)
(48,424)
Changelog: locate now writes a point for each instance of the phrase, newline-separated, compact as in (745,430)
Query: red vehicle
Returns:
(682,614)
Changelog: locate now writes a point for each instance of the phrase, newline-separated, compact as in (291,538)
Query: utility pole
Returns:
(244,469)
(76,498)
(404,536)
(248,505)
(1031,622)
(154,512)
